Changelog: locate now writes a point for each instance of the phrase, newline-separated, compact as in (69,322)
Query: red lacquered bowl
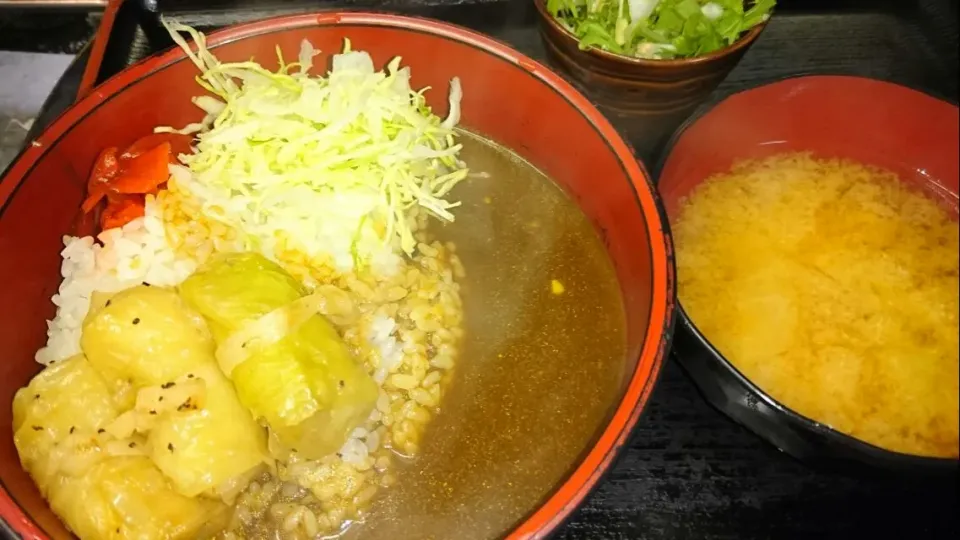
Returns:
(870,121)
(507,97)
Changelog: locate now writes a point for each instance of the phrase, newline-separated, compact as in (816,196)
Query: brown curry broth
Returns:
(539,371)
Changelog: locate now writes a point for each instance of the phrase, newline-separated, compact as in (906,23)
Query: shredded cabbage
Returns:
(281,154)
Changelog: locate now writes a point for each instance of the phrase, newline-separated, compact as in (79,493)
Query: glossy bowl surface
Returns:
(645,99)
(870,121)
(507,97)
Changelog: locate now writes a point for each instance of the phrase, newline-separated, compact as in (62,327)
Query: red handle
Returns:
(92,70)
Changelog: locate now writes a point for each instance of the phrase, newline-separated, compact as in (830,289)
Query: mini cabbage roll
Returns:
(195,428)
(127,497)
(288,363)
(56,419)
(203,448)
(60,421)
(145,335)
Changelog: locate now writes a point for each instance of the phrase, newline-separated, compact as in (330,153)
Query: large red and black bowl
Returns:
(507,98)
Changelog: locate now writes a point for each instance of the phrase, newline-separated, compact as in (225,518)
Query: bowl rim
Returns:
(808,423)
(613,433)
(743,41)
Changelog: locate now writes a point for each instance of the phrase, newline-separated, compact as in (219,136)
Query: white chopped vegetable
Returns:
(209,104)
(712,10)
(641,9)
(291,160)
(305,58)
(456,94)
(620,30)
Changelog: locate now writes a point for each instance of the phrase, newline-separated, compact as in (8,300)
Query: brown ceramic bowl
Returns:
(645,99)
(508,98)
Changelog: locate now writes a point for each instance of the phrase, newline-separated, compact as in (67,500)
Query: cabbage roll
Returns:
(127,497)
(288,363)
(195,428)
(100,487)
(66,402)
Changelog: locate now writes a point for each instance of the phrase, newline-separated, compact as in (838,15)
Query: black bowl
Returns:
(866,120)
(724,387)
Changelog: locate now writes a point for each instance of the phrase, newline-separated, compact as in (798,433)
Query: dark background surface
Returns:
(690,472)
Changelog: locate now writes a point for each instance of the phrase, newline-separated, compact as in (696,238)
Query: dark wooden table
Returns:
(690,472)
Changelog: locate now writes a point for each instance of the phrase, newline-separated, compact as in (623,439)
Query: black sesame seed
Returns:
(136,320)
(145,284)
(107,304)
(101,431)
(168,385)
(160,399)
(342,384)
(132,445)
(37,428)
(36,396)
(243,345)
(72,429)
(189,375)
(153,411)
(170,447)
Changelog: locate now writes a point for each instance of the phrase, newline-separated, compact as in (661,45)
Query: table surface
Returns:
(690,472)
(25,80)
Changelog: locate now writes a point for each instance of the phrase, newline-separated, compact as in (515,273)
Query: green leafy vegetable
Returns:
(659,29)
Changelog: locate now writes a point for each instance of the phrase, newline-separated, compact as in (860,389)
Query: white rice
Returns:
(381,336)
(124,257)
(140,252)
(364,440)
(354,451)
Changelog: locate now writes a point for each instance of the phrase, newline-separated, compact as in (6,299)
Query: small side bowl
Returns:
(870,121)
(645,99)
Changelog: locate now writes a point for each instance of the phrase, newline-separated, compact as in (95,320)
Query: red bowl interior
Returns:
(507,97)
(870,121)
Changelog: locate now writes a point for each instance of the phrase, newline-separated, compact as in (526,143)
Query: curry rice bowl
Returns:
(407,337)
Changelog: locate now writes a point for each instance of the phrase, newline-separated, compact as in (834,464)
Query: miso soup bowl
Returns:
(507,97)
(873,122)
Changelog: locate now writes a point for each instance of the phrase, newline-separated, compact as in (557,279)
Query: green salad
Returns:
(659,29)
